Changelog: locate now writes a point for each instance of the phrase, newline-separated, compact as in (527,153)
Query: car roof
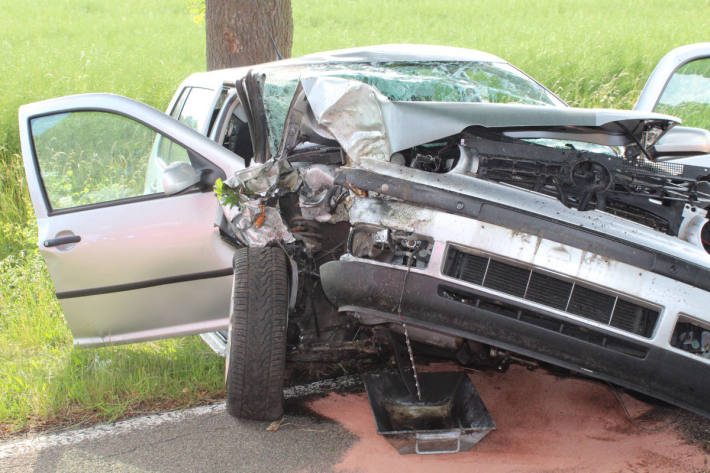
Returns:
(377,53)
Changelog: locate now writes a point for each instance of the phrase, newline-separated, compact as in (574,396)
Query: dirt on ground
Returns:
(546,423)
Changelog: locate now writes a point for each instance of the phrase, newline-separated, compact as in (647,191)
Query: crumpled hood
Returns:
(369,125)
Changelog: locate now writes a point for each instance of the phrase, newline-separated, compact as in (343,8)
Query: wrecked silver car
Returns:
(433,192)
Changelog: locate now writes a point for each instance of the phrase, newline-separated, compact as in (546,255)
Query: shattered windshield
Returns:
(487,82)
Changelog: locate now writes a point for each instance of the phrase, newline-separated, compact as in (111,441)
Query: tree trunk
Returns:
(238,31)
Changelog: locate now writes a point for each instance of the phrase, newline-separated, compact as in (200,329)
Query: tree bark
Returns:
(239,32)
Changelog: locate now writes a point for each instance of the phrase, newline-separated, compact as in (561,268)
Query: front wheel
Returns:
(256,345)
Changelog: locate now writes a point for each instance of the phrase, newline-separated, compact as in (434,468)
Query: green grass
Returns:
(49,48)
(591,53)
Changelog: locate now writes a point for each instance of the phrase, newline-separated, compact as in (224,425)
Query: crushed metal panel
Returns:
(352,112)
(414,123)
(400,80)
(369,126)
(254,222)
(258,225)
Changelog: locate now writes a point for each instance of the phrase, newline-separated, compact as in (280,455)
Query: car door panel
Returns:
(159,236)
(149,313)
(126,269)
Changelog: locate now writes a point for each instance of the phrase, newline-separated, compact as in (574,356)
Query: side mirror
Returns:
(683,141)
(178,177)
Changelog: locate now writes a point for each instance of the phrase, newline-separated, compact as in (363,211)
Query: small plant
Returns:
(225,194)
(197,10)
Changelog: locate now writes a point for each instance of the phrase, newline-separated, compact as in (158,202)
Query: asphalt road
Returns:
(203,439)
(206,442)
(546,423)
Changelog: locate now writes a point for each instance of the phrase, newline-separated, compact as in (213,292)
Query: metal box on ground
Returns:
(450,418)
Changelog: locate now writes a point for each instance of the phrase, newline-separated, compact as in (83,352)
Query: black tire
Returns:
(256,346)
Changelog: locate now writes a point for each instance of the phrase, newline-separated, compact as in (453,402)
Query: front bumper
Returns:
(460,309)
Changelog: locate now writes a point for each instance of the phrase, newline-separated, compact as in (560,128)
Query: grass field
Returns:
(592,53)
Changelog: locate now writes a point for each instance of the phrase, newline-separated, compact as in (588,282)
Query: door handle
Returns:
(65,240)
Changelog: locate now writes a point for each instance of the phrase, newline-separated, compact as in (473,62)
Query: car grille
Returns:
(544,321)
(551,291)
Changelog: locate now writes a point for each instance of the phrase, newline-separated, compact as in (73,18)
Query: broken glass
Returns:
(485,82)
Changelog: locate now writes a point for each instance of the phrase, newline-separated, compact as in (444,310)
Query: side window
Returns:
(237,138)
(687,94)
(88,157)
(180,102)
(195,112)
(192,109)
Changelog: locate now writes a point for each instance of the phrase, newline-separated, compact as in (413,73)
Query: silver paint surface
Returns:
(668,295)
(133,242)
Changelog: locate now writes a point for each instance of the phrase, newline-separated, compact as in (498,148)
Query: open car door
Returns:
(680,86)
(126,217)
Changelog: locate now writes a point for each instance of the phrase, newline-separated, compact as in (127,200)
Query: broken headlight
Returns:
(691,337)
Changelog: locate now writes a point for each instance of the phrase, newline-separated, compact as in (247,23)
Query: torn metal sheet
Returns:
(253,221)
(248,200)
(257,181)
(258,225)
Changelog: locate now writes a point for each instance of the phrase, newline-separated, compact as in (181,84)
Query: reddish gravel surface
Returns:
(545,424)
